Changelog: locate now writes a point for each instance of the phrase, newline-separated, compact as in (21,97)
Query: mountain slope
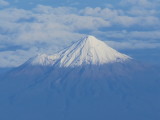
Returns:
(88,80)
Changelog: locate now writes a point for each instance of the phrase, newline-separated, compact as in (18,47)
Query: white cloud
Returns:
(15,58)
(124,18)
(134,11)
(134,44)
(4,3)
(105,13)
(132,35)
(139,3)
(45,29)
(56,11)
(144,35)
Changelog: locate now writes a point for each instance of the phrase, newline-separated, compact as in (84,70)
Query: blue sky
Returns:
(30,27)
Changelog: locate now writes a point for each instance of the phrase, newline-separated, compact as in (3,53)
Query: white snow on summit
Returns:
(89,50)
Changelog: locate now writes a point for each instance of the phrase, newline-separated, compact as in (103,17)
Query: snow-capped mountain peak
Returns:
(89,50)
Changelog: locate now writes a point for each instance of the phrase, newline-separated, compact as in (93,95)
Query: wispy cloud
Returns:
(4,3)
(140,3)
(130,35)
(134,44)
